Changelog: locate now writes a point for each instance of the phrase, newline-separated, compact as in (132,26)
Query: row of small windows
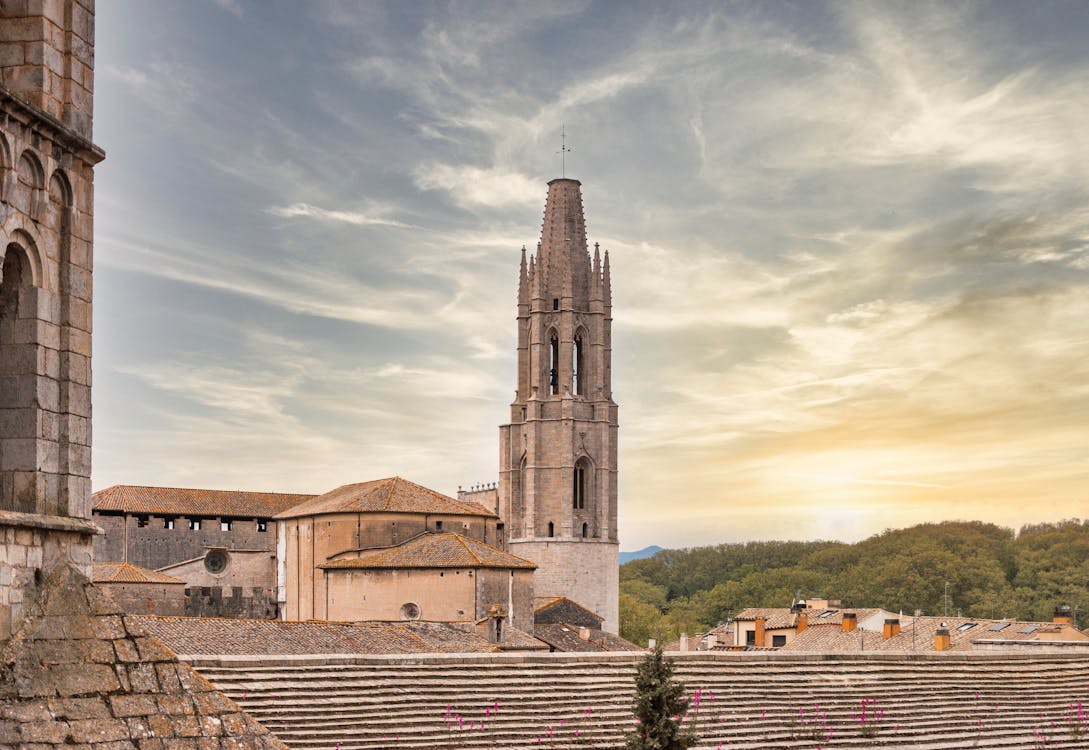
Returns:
(196,524)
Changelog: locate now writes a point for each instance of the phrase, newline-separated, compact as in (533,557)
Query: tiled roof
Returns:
(181,501)
(565,637)
(433,551)
(917,634)
(125,572)
(236,637)
(784,617)
(393,495)
(560,609)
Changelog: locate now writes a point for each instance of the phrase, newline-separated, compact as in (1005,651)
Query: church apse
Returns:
(558,455)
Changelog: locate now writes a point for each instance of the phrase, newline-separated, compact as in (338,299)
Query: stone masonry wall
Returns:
(79,673)
(155,546)
(585,572)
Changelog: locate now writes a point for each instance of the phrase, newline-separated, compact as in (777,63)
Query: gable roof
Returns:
(431,550)
(566,637)
(185,501)
(126,572)
(391,495)
(560,609)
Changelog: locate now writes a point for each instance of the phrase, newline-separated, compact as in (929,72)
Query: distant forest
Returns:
(991,571)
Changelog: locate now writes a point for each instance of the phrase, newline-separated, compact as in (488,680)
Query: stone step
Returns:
(399,704)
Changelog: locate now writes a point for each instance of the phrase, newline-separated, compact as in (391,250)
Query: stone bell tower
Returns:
(46,188)
(557,479)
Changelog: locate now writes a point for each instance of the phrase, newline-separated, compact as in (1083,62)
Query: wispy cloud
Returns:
(358,218)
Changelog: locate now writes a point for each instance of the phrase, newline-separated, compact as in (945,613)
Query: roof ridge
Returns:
(468,549)
(195,489)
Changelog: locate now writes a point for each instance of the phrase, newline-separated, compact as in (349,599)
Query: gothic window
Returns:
(554,360)
(551,529)
(555,303)
(581,489)
(576,365)
(585,530)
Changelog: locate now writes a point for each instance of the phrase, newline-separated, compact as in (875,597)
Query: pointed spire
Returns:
(606,280)
(523,280)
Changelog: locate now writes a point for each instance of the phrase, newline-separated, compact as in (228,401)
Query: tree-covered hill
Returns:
(990,571)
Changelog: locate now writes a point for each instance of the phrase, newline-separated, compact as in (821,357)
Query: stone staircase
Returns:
(942,701)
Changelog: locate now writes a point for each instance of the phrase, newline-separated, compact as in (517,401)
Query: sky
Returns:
(849,244)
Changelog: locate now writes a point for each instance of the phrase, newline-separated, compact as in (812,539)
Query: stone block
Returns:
(11,53)
(211,726)
(84,679)
(19,454)
(234,725)
(124,706)
(51,732)
(142,678)
(160,725)
(186,726)
(126,650)
(168,678)
(175,705)
(79,708)
(108,627)
(138,728)
(83,24)
(22,30)
(94,731)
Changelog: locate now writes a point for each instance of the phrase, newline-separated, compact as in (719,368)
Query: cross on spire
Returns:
(564,150)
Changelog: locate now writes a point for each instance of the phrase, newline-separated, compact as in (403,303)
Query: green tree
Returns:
(659,707)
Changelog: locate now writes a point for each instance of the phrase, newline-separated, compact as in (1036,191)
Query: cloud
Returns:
(474,186)
(357,218)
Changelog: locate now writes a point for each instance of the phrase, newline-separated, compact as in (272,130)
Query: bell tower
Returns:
(557,479)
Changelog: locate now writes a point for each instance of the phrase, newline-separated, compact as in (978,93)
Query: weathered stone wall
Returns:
(155,546)
(79,673)
(585,572)
(47,57)
(27,545)
(245,588)
(147,598)
(510,589)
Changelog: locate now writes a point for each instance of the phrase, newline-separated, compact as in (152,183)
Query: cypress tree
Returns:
(659,707)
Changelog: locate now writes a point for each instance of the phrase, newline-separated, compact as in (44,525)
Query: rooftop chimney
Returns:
(941,639)
(1063,616)
(850,622)
(584,633)
(496,615)
(760,624)
(801,622)
(892,627)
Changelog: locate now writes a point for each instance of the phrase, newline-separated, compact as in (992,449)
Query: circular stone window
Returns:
(216,561)
(410,611)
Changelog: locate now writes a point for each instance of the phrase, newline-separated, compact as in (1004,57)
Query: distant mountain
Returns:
(639,554)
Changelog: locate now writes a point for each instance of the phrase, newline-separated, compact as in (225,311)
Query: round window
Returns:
(410,611)
(216,561)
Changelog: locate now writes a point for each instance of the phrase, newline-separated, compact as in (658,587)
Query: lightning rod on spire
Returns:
(564,150)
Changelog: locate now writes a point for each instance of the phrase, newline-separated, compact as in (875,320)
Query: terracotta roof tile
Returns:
(237,637)
(181,501)
(433,551)
(917,634)
(125,572)
(565,637)
(392,495)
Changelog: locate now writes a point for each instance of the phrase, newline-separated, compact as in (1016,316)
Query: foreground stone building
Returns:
(74,672)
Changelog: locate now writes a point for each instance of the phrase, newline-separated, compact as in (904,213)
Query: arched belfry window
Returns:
(580,491)
(14,393)
(576,365)
(554,363)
